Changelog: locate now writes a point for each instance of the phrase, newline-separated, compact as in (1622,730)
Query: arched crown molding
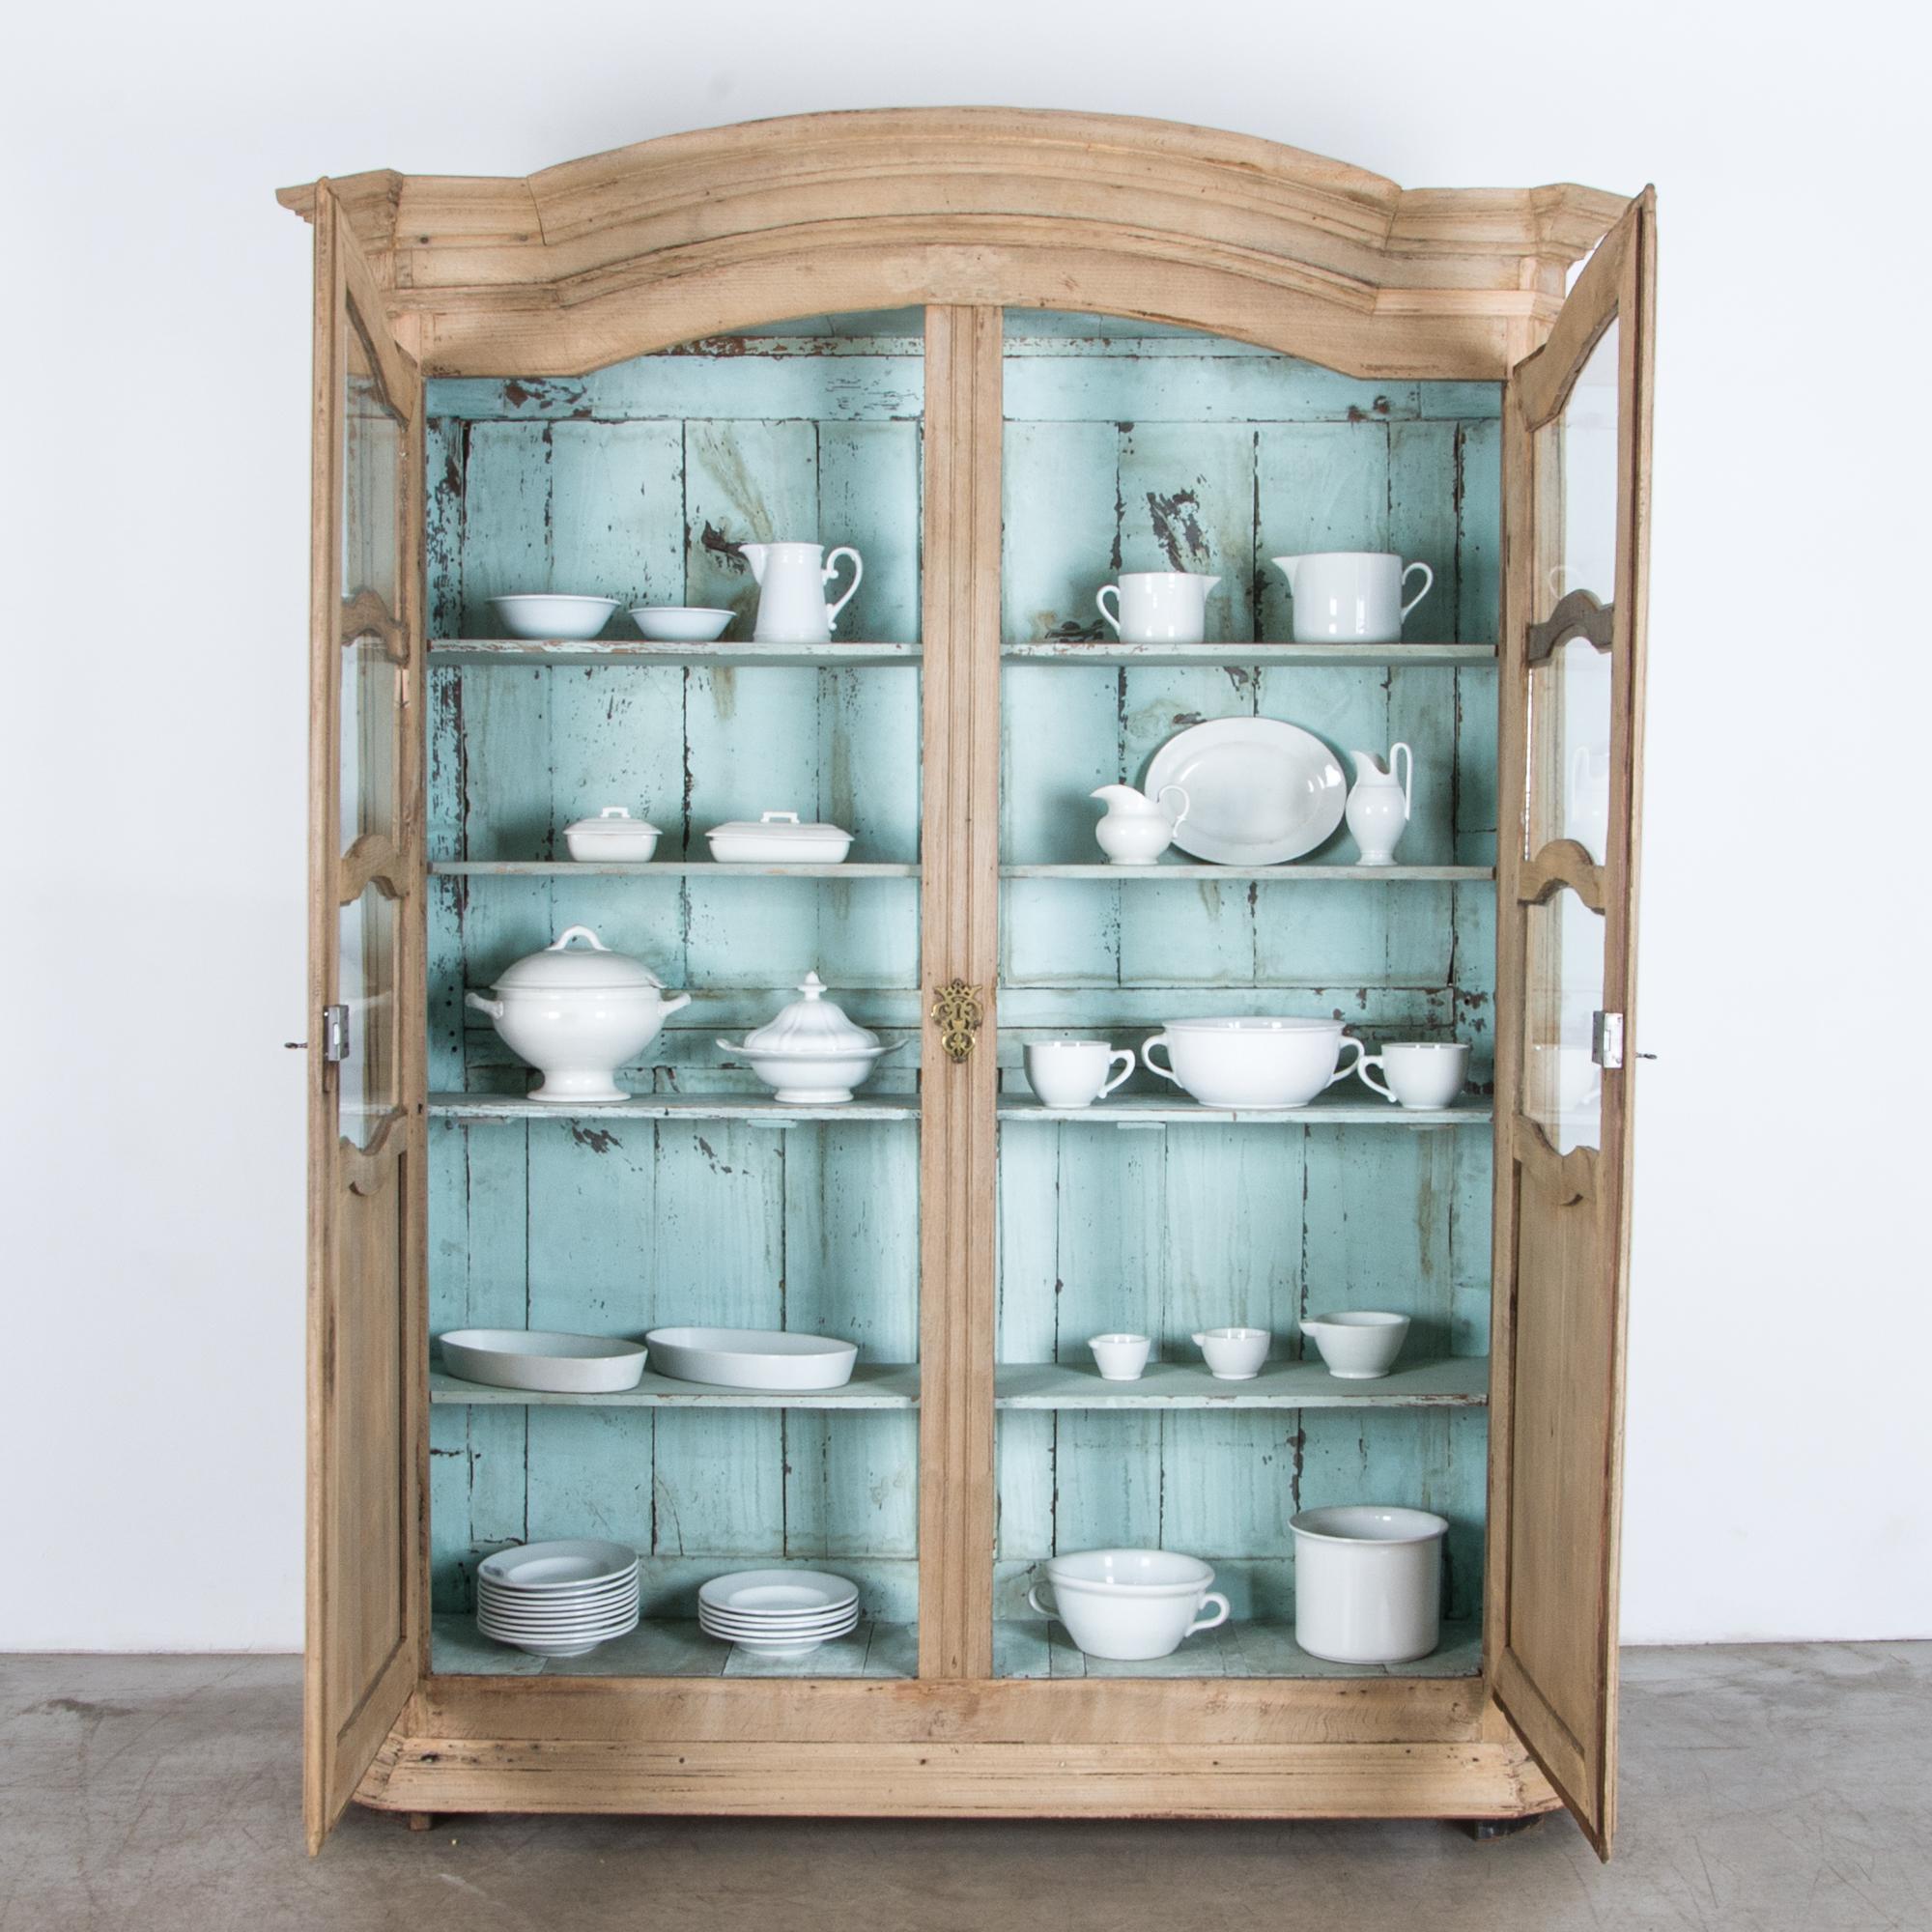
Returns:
(700,233)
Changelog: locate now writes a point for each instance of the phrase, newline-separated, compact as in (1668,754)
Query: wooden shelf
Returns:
(1075,651)
(1292,871)
(540,653)
(873,1385)
(664,869)
(756,1109)
(1022,1647)
(1242,1647)
(672,1647)
(1460,1381)
(1138,1110)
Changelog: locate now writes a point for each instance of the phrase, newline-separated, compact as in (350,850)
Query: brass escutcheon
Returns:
(957,1014)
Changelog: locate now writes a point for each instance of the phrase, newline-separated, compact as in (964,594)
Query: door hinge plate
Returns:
(1607,1040)
(336,1035)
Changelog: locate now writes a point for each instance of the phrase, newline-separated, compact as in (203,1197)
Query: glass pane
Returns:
(371,721)
(372,449)
(1562,1085)
(367,935)
(1577,550)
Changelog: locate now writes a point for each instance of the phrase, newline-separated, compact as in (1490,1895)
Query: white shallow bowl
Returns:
(548,614)
(545,1359)
(1359,1345)
(680,623)
(1131,1604)
(1368,1582)
(754,1359)
(567,1565)
(776,1593)
(810,1079)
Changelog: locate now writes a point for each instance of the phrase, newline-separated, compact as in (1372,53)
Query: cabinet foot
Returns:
(1487,1830)
(418,1821)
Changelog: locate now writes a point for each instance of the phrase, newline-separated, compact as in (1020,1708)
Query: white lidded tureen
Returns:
(811,1055)
(613,836)
(578,1016)
(778,839)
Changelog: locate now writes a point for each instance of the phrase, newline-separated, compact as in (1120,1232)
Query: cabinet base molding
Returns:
(1120,1749)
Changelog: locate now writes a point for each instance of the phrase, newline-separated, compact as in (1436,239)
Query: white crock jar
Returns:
(578,1016)
(1368,1582)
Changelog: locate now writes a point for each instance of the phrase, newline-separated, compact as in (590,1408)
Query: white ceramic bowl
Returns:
(1368,1582)
(809,1079)
(1234,1355)
(543,1358)
(680,623)
(613,835)
(1360,1346)
(1253,1062)
(1132,1604)
(545,614)
(757,1358)
(1120,1358)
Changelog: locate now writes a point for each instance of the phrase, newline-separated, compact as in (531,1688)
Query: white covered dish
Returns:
(811,1055)
(753,1358)
(544,1359)
(613,835)
(578,1016)
(778,839)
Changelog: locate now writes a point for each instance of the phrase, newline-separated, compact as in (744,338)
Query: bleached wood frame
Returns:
(964,212)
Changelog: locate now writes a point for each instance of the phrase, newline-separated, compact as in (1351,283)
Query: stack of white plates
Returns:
(557,1599)
(777,1612)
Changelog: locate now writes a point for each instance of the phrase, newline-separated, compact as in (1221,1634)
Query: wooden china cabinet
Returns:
(1005,355)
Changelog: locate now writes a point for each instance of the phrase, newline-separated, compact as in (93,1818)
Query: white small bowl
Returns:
(1234,1355)
(1360,1346)
(680,623)
(1120,1358)
(545,614)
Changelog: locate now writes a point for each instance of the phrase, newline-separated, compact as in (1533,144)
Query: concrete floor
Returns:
(1768,1788)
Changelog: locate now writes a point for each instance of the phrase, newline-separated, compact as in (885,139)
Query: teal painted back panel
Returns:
(1174,452)
(635,483)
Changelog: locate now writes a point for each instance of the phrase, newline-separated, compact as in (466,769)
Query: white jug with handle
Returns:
(791,580)
(1350,596)
(1137,828)
(1380,805)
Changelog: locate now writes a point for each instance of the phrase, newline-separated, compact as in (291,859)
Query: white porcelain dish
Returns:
(578,1016)
(811,1055)
(1234,1355)
(1368,1582)
(558,1566)
(559,1599)
(1121,1357)
(1359,1345)
(680,623)
(1132,1604)
(1255,1063)
(613,835)
(1259,792)
(543,1358)
(547,615)
(779,838)
(757,1358)
(778,1592)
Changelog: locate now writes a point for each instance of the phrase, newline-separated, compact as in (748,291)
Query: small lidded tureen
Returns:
(811,1055)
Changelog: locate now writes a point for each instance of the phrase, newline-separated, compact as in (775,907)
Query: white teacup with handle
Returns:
(1417,1072)
(1075,1072)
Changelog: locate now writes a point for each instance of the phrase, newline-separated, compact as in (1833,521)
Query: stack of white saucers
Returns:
(557,1599)
(778,1613)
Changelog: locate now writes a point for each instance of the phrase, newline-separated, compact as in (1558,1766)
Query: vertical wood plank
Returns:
(959,936)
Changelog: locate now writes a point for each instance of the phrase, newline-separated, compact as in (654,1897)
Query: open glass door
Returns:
(1577,437)
(365,1348)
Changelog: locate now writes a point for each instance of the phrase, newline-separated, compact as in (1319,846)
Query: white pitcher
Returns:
(1137,828)
(1350,596)
(1379,807)
(1157,607)
(791,580)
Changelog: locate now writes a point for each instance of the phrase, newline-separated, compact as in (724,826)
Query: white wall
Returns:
(156,518)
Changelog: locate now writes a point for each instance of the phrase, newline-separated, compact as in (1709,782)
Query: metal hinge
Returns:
(334,1034)
(1607,1040)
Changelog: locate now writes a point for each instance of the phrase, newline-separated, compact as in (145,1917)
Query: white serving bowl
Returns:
(1253,1062)
(809,1079)
(1132,1604)
(578,1016)
(757,1358)
(613,835)
(547,615)
(680,623)
(1368,1582)
(1360,1346)
(543,1358)
(1234,1355)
